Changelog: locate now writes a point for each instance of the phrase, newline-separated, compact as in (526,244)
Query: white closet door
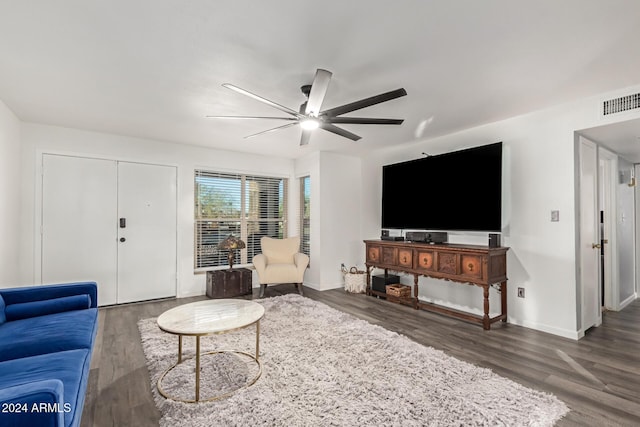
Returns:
(79,222)
(147,242)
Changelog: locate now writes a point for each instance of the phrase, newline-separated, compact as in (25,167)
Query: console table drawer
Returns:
(471,266)
(373,254)
(425,260)
(447,263)
(389,256)
(405,258)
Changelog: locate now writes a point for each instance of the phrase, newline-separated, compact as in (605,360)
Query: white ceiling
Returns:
(154,68)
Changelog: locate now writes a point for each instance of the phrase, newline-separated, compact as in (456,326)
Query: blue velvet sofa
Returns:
(47,334)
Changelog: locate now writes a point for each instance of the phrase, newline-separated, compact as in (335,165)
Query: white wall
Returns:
(538,177)
(9,197)
(335,216)
(38,139)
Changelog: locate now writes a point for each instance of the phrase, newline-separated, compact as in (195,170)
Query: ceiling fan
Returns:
(311,116)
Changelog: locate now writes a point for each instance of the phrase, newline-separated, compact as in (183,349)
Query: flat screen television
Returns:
(457,191)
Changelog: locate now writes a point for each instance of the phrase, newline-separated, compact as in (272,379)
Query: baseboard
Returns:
(628,301)
(323,287)
(191,294)
(565,333)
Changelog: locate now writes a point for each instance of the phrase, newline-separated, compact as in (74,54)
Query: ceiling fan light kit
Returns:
(311,116)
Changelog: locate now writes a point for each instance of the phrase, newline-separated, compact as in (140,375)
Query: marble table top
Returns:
(210,316)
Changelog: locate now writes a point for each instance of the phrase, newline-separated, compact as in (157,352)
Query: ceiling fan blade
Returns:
(339,131)
(363,103)
(318,91)
(261,99)
(271,130)
(364,121)
(251,118)
(306,135)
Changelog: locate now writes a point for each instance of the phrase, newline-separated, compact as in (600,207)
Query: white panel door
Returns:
(79,222)
(589,236)
(147,238)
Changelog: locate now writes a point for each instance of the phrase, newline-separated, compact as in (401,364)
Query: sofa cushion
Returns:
(46,334)
(3,318)
(49,306)
(70,367)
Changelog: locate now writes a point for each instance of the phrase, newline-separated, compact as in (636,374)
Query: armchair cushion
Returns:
(50,306)
(280,251)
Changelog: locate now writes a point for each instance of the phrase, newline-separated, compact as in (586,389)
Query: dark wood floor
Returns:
(598,377)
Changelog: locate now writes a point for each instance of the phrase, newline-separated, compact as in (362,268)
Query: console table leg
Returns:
(485,320)
(503,300)
(415,291)
(368,279)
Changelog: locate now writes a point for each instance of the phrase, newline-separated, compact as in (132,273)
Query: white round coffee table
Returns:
(209,318)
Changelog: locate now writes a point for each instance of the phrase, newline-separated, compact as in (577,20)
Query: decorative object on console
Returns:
(494,240)
(231,243)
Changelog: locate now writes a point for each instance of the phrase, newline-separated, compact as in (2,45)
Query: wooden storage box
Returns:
(228,283)
(399,290)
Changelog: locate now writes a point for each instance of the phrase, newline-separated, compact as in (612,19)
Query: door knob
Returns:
(122,239)
(595,245)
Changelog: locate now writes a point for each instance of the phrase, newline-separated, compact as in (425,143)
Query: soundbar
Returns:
(427,236)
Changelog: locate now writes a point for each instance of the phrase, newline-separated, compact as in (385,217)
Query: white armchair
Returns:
(280,262)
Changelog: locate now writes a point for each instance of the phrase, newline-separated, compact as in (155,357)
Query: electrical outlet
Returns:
(520,292)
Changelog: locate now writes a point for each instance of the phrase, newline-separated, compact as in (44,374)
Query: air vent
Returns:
(618,105)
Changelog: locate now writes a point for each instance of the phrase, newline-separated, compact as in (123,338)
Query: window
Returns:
(305,214)
(249,207)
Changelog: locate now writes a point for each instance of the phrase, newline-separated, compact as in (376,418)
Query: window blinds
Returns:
(247,206)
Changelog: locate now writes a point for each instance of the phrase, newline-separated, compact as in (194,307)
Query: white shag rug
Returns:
(322,367)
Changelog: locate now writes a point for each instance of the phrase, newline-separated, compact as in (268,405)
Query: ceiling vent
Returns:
(618,105)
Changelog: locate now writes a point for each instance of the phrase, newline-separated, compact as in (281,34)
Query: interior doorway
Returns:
(607,181)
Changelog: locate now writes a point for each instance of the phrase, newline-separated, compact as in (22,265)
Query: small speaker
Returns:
(494,240)
(384,233)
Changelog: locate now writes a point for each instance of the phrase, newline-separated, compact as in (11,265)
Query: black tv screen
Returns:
(457,191)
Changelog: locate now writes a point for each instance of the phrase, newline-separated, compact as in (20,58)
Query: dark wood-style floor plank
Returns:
(598,377)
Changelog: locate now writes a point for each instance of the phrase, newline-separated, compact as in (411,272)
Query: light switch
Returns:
(555,216)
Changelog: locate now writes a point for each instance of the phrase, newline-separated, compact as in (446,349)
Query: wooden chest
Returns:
(228,283)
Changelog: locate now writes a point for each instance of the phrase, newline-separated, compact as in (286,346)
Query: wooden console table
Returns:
(472,264)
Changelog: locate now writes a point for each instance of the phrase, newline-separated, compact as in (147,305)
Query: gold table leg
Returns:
(197,368)
(197,360)
(257,340)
